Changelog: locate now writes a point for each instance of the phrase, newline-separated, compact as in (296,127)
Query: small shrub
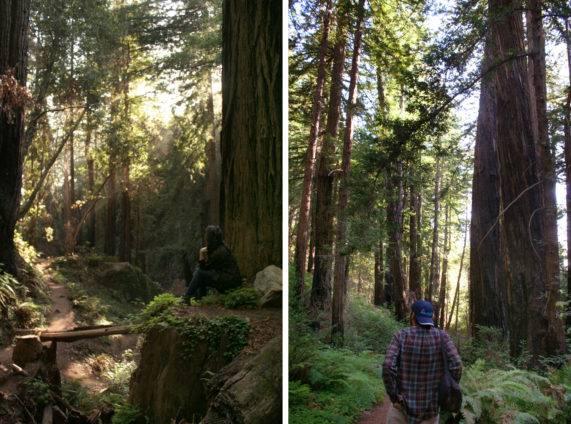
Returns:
(159,312)
(29,314)
(242,298)
(38,390)
(128,414)
(229,330)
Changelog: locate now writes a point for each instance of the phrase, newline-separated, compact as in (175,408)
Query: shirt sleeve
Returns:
(454,360)
(390,368)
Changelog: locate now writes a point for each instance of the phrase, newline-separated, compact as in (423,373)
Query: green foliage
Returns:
(159,312)
(29,314)
(228,333)
(510,396)
(128,414)
(331,385)
(38,390)
(490,346)
(242,298)
(8,296)
(369,327)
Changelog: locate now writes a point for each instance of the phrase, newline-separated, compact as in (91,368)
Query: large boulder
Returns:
(249,390)
(128,282)
(269,285)
(169,381)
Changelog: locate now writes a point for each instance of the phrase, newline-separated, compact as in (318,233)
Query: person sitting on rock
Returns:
(217,268)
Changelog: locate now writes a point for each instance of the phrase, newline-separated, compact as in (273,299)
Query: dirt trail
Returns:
(377,415)
(71,356)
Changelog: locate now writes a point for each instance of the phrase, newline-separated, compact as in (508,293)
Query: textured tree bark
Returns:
(251,149)
(554,340)
(324,208)
(415,275)
(487,292)
(567,152)
(434,275)
(14,24)
(396,282)
(212,206)
(521,229)
(341,250)
(302,233)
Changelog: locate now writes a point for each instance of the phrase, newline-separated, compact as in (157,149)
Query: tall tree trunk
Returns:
(251,186)
(456,299)
(14,24)
(324,209)
(521,230)
(212,212)
(414,241)
(309,168)
(125,235)
(378,294)
(110,224)
(487,292)
(394,214)
(567,151)
(553,341)
(434,275)
(90,183)
(444,279)
(341,253)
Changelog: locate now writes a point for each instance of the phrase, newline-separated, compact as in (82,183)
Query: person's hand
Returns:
(202,255)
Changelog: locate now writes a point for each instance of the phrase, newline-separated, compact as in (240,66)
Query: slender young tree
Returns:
(324,208)
(302,233)
(341,253)
(434,275)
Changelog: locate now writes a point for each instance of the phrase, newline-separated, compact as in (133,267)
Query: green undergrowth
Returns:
(240,298)
(165,311)
(335,385)
(23,300)
(93,302)
(117,374)
(515,395)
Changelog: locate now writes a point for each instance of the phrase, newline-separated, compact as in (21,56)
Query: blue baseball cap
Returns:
(422,310)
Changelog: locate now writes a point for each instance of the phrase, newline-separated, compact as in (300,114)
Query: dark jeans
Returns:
(201,281)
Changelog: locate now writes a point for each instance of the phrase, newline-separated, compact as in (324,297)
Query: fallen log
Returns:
(78,334)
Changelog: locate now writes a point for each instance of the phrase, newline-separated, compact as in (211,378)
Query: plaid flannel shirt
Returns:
(413,368)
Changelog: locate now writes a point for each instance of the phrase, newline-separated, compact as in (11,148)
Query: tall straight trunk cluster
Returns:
(250,141)
(14,24)
(321,289)
(341,269)
(512,277)
(302,233)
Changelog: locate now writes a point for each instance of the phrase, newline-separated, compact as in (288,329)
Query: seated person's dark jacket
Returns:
(226,273)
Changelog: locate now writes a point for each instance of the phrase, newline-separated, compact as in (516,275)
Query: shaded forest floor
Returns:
(84,361)
(95,290)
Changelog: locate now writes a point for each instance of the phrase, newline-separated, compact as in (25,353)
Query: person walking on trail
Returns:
(217,268)
(414,367)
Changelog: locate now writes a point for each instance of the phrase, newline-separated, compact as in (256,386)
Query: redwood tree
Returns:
(302,233)
(341,254)
(251,148)
(324,207)
(14,24)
